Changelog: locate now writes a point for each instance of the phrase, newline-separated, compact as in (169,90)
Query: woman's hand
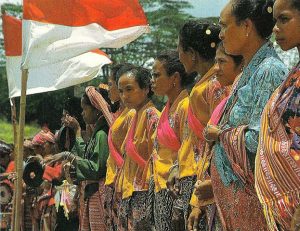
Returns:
(295,224)
(203,190)
(59,157)
(211,133)
(194,218)
(72,123)
(173,182)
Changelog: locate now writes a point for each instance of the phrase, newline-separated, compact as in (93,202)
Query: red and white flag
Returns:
(52,77)
(55,30)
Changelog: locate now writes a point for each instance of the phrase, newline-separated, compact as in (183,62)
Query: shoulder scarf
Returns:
(114,152)
(118,158)
(165,134)
(130,148)
(194,123)
(277,173)
(217,113)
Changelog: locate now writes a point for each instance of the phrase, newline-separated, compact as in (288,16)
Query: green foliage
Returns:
(165,18)
(6,131)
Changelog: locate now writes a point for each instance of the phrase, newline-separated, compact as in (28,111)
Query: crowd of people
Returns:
(223,153)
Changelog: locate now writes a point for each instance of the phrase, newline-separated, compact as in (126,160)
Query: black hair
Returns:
(260,12)
(202,36)
(115,70)
(125,68)
(5,148)
(237,59)
(72,106)
(296,4)
(172,64)
(141,75)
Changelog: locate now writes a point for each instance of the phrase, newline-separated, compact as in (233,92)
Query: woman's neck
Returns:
(138,108)
(203,67)
(252,49)
(173,94)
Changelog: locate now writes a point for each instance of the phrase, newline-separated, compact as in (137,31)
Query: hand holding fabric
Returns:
(211,133)
(203,190)
(194,218)
(295,224)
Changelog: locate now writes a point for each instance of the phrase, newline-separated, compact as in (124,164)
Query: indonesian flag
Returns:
(46,78)
(55,30)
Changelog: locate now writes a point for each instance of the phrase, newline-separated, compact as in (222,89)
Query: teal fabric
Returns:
(259,80)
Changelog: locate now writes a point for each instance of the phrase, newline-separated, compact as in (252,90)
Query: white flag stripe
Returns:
(46,43)
(55,76)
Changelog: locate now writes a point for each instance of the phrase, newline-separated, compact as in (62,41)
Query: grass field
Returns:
(6,131)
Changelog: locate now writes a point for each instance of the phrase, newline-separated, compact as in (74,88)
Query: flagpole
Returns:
(19,156)
(14,124)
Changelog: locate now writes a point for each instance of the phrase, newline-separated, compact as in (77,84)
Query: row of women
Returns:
(223,154)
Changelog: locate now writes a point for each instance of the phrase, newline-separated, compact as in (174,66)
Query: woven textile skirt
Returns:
(136,212)
(238,209)
(92,211)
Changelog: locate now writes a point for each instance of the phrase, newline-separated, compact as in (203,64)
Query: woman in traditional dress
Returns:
(88,166)
(135,209)
(197,49)
(227,67)
(168,79)
(246,28)
(277,161)
(116,137)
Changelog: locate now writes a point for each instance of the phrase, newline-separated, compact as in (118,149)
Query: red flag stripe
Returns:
(12,31)
(112,14)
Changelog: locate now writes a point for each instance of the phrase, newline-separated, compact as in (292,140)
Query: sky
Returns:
(207,8)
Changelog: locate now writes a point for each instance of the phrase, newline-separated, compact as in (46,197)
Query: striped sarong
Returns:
(277,173)
(92,213)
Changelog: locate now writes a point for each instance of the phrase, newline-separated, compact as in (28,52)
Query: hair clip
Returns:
(270,10)
(208,32)
(213,45)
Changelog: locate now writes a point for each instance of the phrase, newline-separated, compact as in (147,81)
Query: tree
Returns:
(165,18)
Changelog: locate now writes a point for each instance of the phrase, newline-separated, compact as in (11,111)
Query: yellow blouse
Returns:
(132,177)
(202,106)
(163,157)
(118,133)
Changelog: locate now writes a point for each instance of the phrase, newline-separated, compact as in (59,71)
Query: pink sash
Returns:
(114,153)
(130,147)
(194,123)
(165,134)
(217,113)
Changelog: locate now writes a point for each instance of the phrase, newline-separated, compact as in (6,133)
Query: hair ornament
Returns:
(213,45)
(208,32)
(270,10)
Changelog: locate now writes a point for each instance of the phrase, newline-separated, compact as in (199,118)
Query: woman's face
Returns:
(161,82)
(226,69)
(186,58)
(131,93)
(89,113)
(233,35)
(287,27)
(113,92)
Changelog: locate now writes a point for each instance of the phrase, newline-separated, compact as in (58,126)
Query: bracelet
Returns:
(73,160)
(67,155)
(175,165)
